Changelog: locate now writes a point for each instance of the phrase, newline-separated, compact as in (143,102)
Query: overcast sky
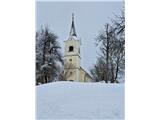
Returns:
(90,18)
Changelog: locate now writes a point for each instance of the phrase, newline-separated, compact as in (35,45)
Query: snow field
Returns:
(75,100)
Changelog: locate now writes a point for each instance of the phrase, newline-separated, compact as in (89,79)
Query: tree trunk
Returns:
(107,53)
(117,69)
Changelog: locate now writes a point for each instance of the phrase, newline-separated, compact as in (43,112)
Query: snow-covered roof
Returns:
(85,72)
(71,38)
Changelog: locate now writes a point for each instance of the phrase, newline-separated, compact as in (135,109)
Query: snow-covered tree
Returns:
(48,56)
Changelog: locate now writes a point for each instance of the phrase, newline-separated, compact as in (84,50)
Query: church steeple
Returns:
(72,58)
(73,30)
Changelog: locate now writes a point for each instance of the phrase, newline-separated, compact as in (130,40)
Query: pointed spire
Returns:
(73,30)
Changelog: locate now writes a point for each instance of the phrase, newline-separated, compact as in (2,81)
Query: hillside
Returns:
(73,100)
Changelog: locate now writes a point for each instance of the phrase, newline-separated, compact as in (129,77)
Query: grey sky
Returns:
(90,18)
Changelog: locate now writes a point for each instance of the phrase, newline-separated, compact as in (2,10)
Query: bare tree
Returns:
(105,39)
(98,71)
(112,46)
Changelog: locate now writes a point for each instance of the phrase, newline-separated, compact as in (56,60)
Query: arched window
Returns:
(70,48)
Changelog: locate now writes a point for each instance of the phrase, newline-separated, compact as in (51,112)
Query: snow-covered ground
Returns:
(74,100)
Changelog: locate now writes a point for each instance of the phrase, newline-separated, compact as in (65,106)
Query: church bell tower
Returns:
(72,55)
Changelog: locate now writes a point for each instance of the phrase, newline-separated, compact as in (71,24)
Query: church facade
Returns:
(72,58)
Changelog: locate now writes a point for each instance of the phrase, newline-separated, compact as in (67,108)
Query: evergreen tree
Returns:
(48,56)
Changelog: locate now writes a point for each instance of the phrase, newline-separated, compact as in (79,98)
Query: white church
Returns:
(72,58)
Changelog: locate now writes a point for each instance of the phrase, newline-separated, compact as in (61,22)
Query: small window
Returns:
(70,73)
(70,60)
(70,48)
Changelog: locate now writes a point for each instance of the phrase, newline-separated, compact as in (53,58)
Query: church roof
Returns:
(73,30)
(86,72)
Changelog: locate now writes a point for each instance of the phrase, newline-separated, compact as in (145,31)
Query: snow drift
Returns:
(74,100)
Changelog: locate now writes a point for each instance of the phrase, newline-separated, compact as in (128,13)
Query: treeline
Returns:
(110,65)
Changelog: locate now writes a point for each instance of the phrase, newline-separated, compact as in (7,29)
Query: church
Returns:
(72,58)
